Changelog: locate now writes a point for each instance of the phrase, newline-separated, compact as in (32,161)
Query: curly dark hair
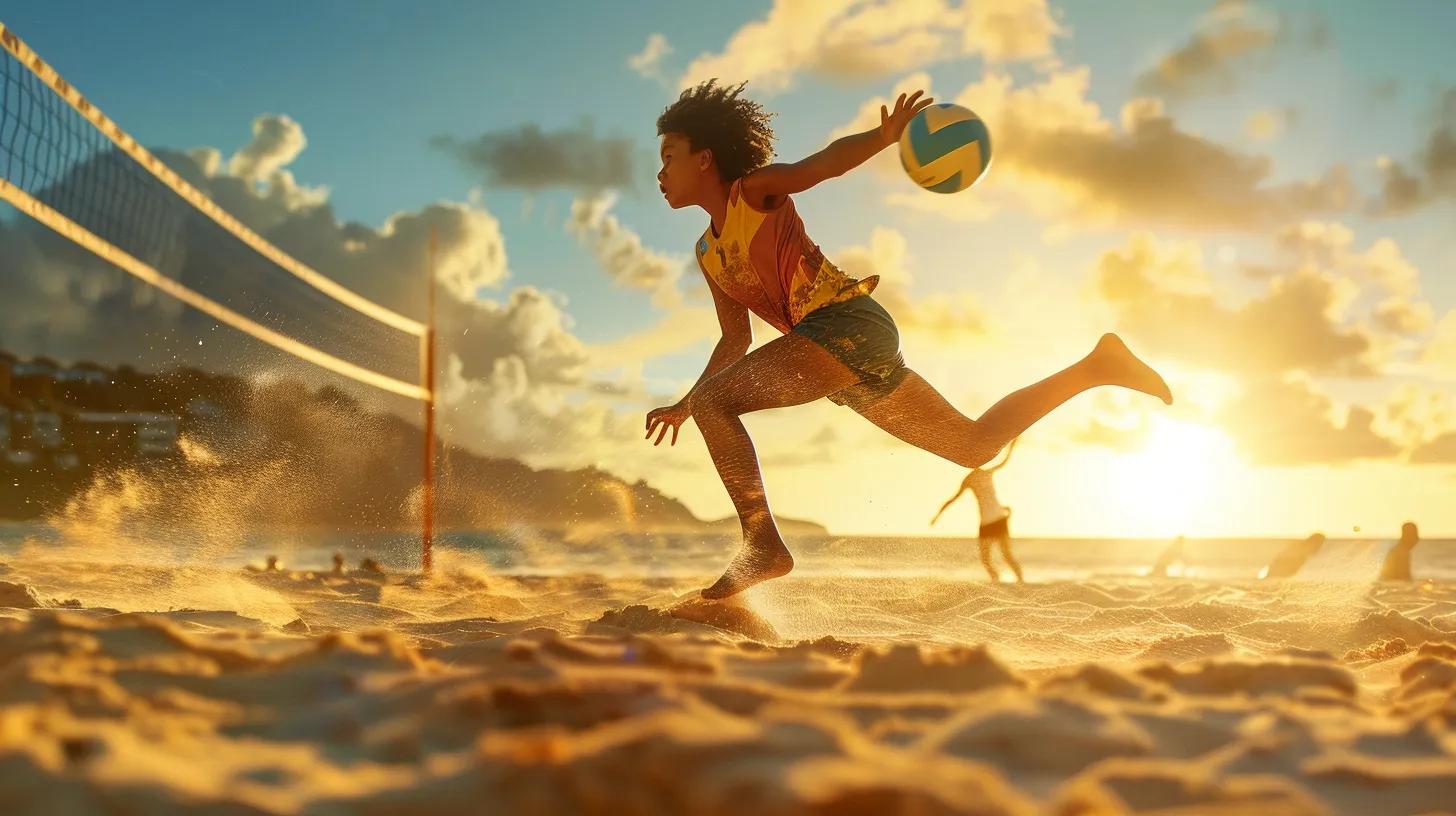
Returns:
(718,118)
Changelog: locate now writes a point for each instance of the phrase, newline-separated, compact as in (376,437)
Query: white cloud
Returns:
(858,40)
(949,317)
(277,141)
(619,250)
(648,61)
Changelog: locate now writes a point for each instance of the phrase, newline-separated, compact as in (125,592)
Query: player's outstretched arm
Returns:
(946,506)
(765,186)
(736,339)
(1003,462)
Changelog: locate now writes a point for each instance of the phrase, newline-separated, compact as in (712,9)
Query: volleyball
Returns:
(946,148)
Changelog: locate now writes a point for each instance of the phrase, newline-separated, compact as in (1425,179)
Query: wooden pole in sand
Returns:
(427,364)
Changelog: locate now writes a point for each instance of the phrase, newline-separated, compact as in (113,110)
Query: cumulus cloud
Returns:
(1440,354)
(619,250)
(1232,36)
(1268,124)
(277,141)
(1431,173)
(856,40)
(648,61)
(1149,170)
(1390,281)
(1414,415)
(1206,61)
(947,316)
(1439,451)
(1164,297)
(1285,422)
(533,159)
(1103,433)
(1055,153)
(677,330)
(515,377)
(1328,308)
(508,413)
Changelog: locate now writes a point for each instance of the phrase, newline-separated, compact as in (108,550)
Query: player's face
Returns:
(678,178)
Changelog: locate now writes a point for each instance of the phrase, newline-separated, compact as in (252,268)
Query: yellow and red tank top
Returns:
(764,260)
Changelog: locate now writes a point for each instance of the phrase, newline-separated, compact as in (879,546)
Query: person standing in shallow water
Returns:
(1291,559)
(1397,566)
(994,516)
(837,342)
(1172,555)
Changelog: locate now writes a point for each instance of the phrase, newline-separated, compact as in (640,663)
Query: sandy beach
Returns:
(172,689)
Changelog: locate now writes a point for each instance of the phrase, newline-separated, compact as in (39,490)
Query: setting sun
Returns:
(1181,472)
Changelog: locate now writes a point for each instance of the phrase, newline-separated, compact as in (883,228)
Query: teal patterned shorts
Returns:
(862,335)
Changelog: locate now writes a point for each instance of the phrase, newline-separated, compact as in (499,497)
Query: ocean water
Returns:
(528,551)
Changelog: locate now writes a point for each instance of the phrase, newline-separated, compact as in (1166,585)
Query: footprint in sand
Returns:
(729,615)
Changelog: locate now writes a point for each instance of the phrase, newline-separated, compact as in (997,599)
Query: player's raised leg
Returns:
(916,413)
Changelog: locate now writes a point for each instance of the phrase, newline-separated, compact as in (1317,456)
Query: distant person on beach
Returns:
(1172,554)
(371,566)
(1397,566)
(837,341)
(994,515)
(1292,557)
(338,563)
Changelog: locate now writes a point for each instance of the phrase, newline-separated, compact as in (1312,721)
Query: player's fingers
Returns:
(913,97)
(884,114)
(674,434)
(900,103)
(661,434)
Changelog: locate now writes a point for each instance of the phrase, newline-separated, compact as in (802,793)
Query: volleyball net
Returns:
(69,167)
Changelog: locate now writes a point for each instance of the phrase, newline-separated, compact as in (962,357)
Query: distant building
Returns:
(86,386)
(45,431)
(34,381)
(66,460)
(98,435)
(84,373)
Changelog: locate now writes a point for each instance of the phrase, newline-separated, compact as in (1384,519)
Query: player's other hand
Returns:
(670,416)
(892,123)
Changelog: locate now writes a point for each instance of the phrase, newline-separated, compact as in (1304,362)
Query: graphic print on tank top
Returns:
(765,261)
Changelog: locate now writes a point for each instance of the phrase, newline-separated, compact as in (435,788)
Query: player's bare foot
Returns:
(756,562)
(1119,366)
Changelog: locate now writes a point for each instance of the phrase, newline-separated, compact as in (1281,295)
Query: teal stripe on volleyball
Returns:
(928,146)
(950,185)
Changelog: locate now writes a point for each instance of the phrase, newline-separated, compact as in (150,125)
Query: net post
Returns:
(427,375)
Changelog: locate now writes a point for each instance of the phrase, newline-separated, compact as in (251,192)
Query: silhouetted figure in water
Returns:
(994,516)
(338,564)
(371,566)
(1397,561)
(1172,554)
(272,564)
(838,341)
(1292,557)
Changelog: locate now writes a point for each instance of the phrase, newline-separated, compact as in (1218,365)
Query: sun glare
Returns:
(1179,477)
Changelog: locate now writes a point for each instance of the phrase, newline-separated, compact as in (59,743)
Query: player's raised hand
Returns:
(892,123)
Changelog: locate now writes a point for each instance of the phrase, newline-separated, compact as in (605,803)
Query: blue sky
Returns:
(371,83)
